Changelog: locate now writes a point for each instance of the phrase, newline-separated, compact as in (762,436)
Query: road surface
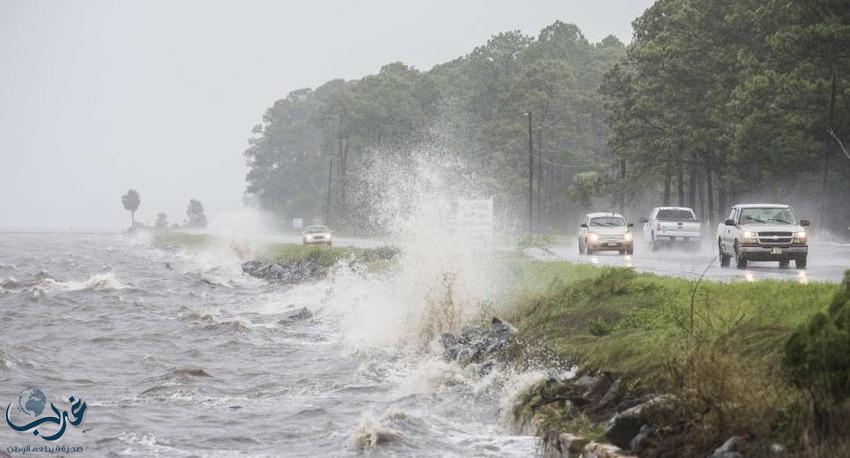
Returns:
(827,262)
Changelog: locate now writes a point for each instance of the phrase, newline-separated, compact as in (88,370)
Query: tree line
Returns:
(717,101)
(195,217)
(472,107)
(711,103)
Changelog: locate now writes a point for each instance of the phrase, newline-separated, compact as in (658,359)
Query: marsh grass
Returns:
(724,365)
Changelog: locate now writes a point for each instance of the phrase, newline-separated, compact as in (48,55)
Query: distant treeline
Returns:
(711,103)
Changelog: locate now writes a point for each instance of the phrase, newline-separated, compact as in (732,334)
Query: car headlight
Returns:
(592,237)
(748,234)
(628,237)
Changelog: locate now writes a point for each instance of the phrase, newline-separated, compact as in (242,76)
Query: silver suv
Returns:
(763,232)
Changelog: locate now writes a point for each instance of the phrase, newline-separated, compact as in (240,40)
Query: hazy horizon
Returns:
(98,97)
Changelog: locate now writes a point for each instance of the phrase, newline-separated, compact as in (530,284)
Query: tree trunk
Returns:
(693,185)
(709,215)
(539,174)
(681,184)
(667,185)
(132,218)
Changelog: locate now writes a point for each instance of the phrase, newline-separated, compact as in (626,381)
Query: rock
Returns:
(586,382)
(572,445)
(777,449)
(600,450)
(640,441)
(732,448)
(625,425)
(475,344)
(611,394)
(298,315)
(290,273)
(450,345)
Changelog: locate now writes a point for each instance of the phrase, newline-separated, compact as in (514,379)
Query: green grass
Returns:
(324,255)
(717,346)
(618,320)
(285,253)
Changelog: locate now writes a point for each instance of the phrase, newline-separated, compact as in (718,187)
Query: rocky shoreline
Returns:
(604,399)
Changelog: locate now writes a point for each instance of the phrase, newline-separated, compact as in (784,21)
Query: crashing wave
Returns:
(370,433)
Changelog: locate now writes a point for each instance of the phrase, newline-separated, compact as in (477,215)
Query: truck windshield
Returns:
(767,215)
(607,221)
(675,214)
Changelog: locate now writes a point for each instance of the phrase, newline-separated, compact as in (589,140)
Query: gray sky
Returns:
(99,96)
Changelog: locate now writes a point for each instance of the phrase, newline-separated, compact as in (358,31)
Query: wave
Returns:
(371,433)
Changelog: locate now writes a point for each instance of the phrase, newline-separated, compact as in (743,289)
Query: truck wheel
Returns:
(801,261)
(724,258)
(784,263)
(740,261)
(630,251)
(580,247)
(587,249)
(653,243)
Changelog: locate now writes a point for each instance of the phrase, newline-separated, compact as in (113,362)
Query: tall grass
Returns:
(723,362)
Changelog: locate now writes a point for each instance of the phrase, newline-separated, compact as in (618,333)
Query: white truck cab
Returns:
(672,225)
(763,232)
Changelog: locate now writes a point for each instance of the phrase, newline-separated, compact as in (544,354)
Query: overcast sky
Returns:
(99,96)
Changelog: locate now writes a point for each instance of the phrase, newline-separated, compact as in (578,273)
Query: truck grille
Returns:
(774,238)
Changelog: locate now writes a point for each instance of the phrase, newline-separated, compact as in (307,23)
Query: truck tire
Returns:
(630,251)
(725,259)
(580,247)
(740,261)
(801,260)
(784,263)
(653,243)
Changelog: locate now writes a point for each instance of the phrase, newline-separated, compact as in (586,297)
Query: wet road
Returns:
(827,262)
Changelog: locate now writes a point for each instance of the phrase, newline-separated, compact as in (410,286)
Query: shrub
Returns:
(817,359)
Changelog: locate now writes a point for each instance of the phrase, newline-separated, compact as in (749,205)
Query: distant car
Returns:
(763,232)
(605,232)
(320,235)
(672,225)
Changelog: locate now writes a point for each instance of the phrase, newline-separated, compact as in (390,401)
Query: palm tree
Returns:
(131,203)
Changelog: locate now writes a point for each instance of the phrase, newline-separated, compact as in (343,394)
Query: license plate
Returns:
(776,251)
(680,239)
(607,243)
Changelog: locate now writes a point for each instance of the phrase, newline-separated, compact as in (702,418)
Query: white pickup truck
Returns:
(763,232)
(670,225)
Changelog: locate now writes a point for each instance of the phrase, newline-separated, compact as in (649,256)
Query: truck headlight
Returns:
(800,235)
(748,234)
(628,237)
(592,237)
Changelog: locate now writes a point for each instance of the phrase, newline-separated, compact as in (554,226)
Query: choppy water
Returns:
(182,355)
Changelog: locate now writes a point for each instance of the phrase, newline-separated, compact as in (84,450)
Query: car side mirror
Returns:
(630,225)
(583,224)
(730,222)
(644,219)
(804,222)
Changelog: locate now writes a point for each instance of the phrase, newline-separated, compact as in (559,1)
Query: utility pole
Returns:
(530,178)
(330,178)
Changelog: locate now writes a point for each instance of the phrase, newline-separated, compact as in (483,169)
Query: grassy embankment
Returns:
(717,346)
(284,253)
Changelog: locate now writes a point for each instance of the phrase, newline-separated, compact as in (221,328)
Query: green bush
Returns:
(817,359)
